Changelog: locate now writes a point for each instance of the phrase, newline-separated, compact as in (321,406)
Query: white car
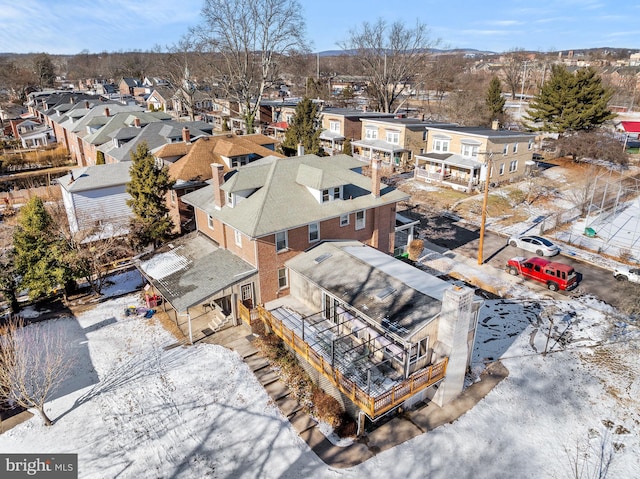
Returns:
(625,273)
(536,244)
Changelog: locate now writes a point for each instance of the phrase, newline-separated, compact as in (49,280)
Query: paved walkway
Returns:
(396,431)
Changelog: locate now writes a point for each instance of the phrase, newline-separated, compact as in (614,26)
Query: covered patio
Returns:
(201,283)
(459,172)
(391,155)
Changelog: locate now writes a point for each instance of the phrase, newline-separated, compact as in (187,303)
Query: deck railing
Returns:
(372,406)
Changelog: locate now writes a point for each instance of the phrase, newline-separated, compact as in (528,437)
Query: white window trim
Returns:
(334,126)
(344,220)
(515,147)
(363,221)
(393,137)
(317,232)
(237,236)
(210,222)
(505,149)
(285,277)
(501,170)
(286,241)
(513,166)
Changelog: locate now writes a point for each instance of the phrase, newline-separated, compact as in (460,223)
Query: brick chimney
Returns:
(106,112)
(136,122)
(217,180)
(375,177)
(186,135)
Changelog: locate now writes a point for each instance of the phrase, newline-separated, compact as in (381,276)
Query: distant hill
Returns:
(453,51)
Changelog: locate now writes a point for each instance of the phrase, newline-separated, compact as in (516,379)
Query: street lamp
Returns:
(484,204)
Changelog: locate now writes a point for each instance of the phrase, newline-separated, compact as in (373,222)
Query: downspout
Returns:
(189,323)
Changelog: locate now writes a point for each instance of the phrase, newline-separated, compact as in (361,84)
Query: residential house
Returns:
(271,210)
(341,123)
(373,331)
(458,156)
(131,86)
(32,133)
(193,168)
(222,111)
(95,200)
(155,135)
(274,116)
(160,99)
(395,141)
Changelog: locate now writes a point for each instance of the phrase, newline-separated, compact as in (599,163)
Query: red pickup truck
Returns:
(555,275)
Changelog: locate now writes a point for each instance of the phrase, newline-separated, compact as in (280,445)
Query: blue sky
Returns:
(70,26)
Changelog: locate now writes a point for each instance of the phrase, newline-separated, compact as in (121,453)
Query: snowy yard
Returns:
(133,409)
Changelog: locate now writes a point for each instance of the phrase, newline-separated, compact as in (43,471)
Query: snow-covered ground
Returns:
(132,409)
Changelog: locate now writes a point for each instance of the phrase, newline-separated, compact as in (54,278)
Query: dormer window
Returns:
(229,197)
(331,194)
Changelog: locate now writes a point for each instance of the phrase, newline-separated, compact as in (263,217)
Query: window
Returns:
(282,241)
(229,198)
(210,222)
(419,350)
(513,166)
(470,150)
(501,170)
(344,220)
(371,133)
(440,144)
(334,126)
(424,135)
(505,149)
(393,137)
(515,148)
(239,161)
(331,194)
(173,197)
(360,219)
(530,146)
(314,232)
(238,237)
(282,278)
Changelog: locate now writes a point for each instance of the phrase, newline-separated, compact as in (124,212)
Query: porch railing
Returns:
(372,406)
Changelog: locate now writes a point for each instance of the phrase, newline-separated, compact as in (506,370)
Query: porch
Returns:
(455,171)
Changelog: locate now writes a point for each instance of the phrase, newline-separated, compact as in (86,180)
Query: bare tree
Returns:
(33,364)
(245,40)
(390,57)
(513,70)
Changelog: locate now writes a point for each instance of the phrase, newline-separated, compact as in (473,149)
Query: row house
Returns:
(221,113)
(192,169)
(32,133)
(156,134)
(339,124)
(459,157)
(394,141)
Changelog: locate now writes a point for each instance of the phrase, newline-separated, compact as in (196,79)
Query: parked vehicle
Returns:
(555,275)
(625,273)
(536,244)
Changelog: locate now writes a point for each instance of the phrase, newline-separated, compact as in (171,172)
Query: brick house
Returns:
(272,210)
(457,156)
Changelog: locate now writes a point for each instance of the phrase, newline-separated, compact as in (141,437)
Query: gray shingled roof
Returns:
(95,177)
(192,269)
(281,202)
(394,294)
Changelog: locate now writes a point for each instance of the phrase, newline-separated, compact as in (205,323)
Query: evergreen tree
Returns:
(494,99)
(148,189)
(570,102)
(38,251)
(347,149)
(304,129)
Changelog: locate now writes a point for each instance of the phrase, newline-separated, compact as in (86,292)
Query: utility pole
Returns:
(522,92)
(484,204)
